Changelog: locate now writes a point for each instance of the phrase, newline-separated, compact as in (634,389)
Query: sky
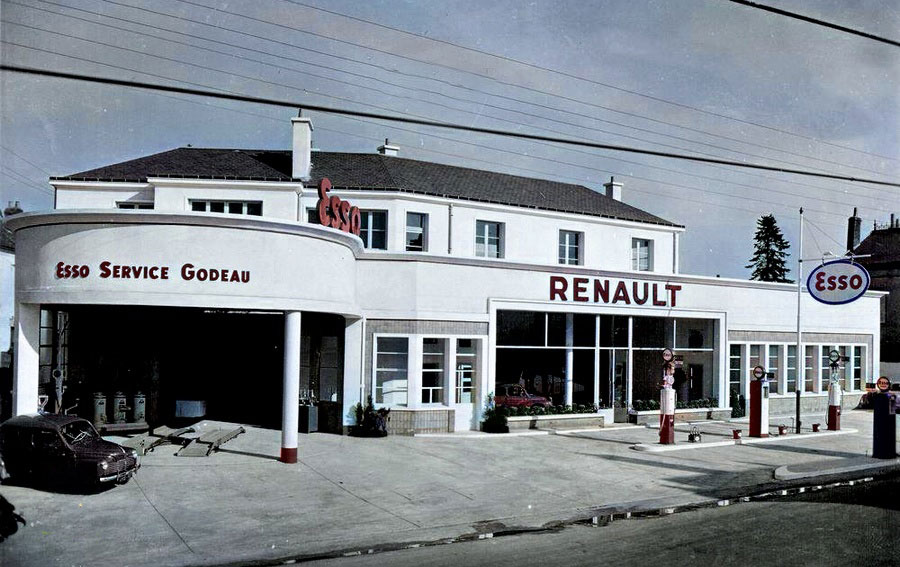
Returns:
(702,77)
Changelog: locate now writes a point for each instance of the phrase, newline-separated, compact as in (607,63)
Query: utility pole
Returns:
(800,359)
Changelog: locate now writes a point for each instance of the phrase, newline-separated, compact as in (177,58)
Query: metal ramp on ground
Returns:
(209,442)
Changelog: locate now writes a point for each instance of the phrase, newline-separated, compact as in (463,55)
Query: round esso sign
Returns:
(838,281)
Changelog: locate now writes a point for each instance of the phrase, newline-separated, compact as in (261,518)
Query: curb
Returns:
(784,473)
(655,448)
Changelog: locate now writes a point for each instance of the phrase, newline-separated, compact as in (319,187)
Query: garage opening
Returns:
(188,363)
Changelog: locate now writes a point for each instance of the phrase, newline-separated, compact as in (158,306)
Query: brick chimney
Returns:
(613,189)
(387,149)
(854,224)
(301,148)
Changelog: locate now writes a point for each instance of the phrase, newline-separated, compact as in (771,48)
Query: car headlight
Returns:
(104,465)
(134,454)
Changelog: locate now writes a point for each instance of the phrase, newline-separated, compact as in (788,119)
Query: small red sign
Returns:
(335,212)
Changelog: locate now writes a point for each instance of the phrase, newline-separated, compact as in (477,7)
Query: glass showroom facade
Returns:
(614,360)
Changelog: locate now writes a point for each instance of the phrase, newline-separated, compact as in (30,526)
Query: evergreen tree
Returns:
(769,252)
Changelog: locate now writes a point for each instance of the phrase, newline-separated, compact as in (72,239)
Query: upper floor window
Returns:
(416,232)
(231,207)
(489,239)
(641,254)
(569,247)
(373,229)
(134,205)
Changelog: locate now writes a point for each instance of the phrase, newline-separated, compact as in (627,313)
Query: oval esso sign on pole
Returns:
(837,282)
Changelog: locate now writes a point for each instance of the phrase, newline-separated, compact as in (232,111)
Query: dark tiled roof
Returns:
(884,246)
(373,171)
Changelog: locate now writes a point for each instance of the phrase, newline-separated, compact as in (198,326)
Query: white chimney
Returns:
(387,149)
(301,134)
(613,189)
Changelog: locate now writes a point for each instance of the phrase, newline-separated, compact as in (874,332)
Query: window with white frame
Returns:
(416,232)
(373,229)
(735,373)
(570,247)
(466,369)
(774,362)
(433,364)
(253,208)
(825,366)
(642,254)
(858,368)
(791,370)
(809,369)
(143,205)
(488,239)
(391,370)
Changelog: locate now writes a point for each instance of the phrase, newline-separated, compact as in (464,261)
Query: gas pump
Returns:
(759,402)
(834,391)
(667,401)
(884,431)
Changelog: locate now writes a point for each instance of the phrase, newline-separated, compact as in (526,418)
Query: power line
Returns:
(430,92)
(406,88)
(810,20)
(561,73)
(31,163)
(421,122)
(555,175)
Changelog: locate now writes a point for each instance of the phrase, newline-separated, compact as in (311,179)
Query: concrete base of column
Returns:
(288,455)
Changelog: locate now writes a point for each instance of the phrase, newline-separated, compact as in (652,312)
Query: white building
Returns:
(205,274)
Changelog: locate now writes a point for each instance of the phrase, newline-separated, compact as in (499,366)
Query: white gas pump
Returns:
(99,409)
(834,391)
(140,408)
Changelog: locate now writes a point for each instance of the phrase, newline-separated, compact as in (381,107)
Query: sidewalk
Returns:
(353,494)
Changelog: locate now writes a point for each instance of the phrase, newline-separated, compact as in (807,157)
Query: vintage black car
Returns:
(63,448)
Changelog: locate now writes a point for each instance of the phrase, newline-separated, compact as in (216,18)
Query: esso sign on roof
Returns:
(838,281)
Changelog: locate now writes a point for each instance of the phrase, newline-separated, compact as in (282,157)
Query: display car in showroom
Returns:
(53,448)
(515,396)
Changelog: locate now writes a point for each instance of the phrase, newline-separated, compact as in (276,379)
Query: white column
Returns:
(25,379)
(414,373)
(353,368)
(629,369)
(290,408)
(817,380)
(450,371)
(570,357)
(597,363)
(745,376)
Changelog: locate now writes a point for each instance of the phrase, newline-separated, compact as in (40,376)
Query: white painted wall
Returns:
(7,305)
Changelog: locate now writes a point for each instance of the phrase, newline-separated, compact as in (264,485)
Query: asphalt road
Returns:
(858,525)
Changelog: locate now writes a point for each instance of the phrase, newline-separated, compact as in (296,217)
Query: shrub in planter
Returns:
(369,421)
(494,418)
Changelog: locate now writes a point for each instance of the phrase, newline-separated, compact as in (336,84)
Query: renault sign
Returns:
(837,282)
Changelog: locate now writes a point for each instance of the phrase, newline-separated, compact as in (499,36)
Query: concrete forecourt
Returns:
(353,495)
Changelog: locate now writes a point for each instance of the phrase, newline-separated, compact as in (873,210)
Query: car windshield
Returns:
(79,431)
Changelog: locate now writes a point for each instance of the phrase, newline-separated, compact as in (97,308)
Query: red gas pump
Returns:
(759,403)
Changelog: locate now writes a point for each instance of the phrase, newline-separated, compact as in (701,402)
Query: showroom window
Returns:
(570,247)
(373,229)
(416,232)
(488,239)
(391,370)
(791,370)
(735,373)
(253,208)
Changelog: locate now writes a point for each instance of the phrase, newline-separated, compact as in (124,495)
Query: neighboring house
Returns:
(882,248)
(206,275)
